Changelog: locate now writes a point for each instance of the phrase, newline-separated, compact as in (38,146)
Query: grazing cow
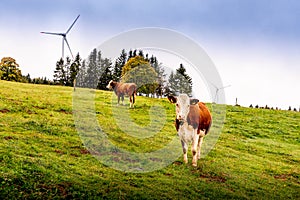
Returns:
(193,121)
(122,89)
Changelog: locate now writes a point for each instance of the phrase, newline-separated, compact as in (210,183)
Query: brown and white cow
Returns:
(193,121)
(122,89)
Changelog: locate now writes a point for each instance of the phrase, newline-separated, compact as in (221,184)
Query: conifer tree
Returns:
(74,69)
(172,85)
(130,54)
(92,71)
(59,73)
(67,72)
(180,82)
(106,74)
(81,76)
(161,76)
(119,64)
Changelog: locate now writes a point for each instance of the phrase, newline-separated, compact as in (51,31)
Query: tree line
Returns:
(96,71)
(133,66)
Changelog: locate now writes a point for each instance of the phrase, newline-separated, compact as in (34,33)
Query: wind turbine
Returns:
(218,89)
(64,37)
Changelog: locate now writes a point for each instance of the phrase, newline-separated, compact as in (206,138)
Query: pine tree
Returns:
(28,78)
(134,53)
(172,85)
(130,55)
(119,64)
(62,72)
(106,74)
(141,53)
(74,68)
(161,76)
(180,82)
(67,75)
(81,77)
(93,72)
(184,81)
(59,73)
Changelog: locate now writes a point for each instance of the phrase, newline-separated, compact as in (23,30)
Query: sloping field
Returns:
(44,156)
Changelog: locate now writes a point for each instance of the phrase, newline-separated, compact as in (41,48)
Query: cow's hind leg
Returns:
(184,149)
(194,148)
(202,133)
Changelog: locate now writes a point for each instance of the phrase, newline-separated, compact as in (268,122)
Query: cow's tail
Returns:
(134,94)
(208,128)
(133,99)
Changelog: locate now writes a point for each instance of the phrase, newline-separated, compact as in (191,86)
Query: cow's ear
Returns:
(172,99)
(194,101)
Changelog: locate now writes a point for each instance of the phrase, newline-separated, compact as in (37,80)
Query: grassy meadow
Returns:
(42,155)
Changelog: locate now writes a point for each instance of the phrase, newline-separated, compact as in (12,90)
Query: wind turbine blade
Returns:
(72,24)
(213,84)
(225,87)
(69,47)
(52,33)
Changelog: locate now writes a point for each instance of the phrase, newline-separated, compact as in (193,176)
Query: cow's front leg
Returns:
(123,100)
(184,149)
(118,99)
(194,147)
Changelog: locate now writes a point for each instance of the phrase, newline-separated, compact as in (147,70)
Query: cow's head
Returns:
(182,103)
(110,85)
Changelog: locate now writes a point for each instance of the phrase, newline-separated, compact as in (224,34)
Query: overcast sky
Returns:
(254,44)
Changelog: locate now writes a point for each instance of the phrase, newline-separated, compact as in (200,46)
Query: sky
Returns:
(254,44)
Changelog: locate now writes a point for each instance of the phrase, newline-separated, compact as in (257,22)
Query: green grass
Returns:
(42,155)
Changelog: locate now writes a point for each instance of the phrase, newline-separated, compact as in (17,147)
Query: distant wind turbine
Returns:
(217,91)
(64,37)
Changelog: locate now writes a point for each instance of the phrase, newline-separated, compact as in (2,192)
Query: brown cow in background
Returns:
(122,89)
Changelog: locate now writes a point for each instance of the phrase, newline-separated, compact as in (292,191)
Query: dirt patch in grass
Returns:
(61,188)
(58,151)
(213,178)
(168,174)
(84,151)
(8,138)
(30,112)
(177,163)
(65,111)
(5,110)
(39,107)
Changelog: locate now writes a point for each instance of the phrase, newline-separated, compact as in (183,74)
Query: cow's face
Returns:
(110,85)
(182,107)
(182,103)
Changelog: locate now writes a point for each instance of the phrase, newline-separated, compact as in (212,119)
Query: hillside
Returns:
(42,156)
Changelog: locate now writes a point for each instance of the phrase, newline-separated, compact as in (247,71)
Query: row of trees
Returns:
(134,66)
(10,71)
(96,71)
(66,71)
(272,108)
